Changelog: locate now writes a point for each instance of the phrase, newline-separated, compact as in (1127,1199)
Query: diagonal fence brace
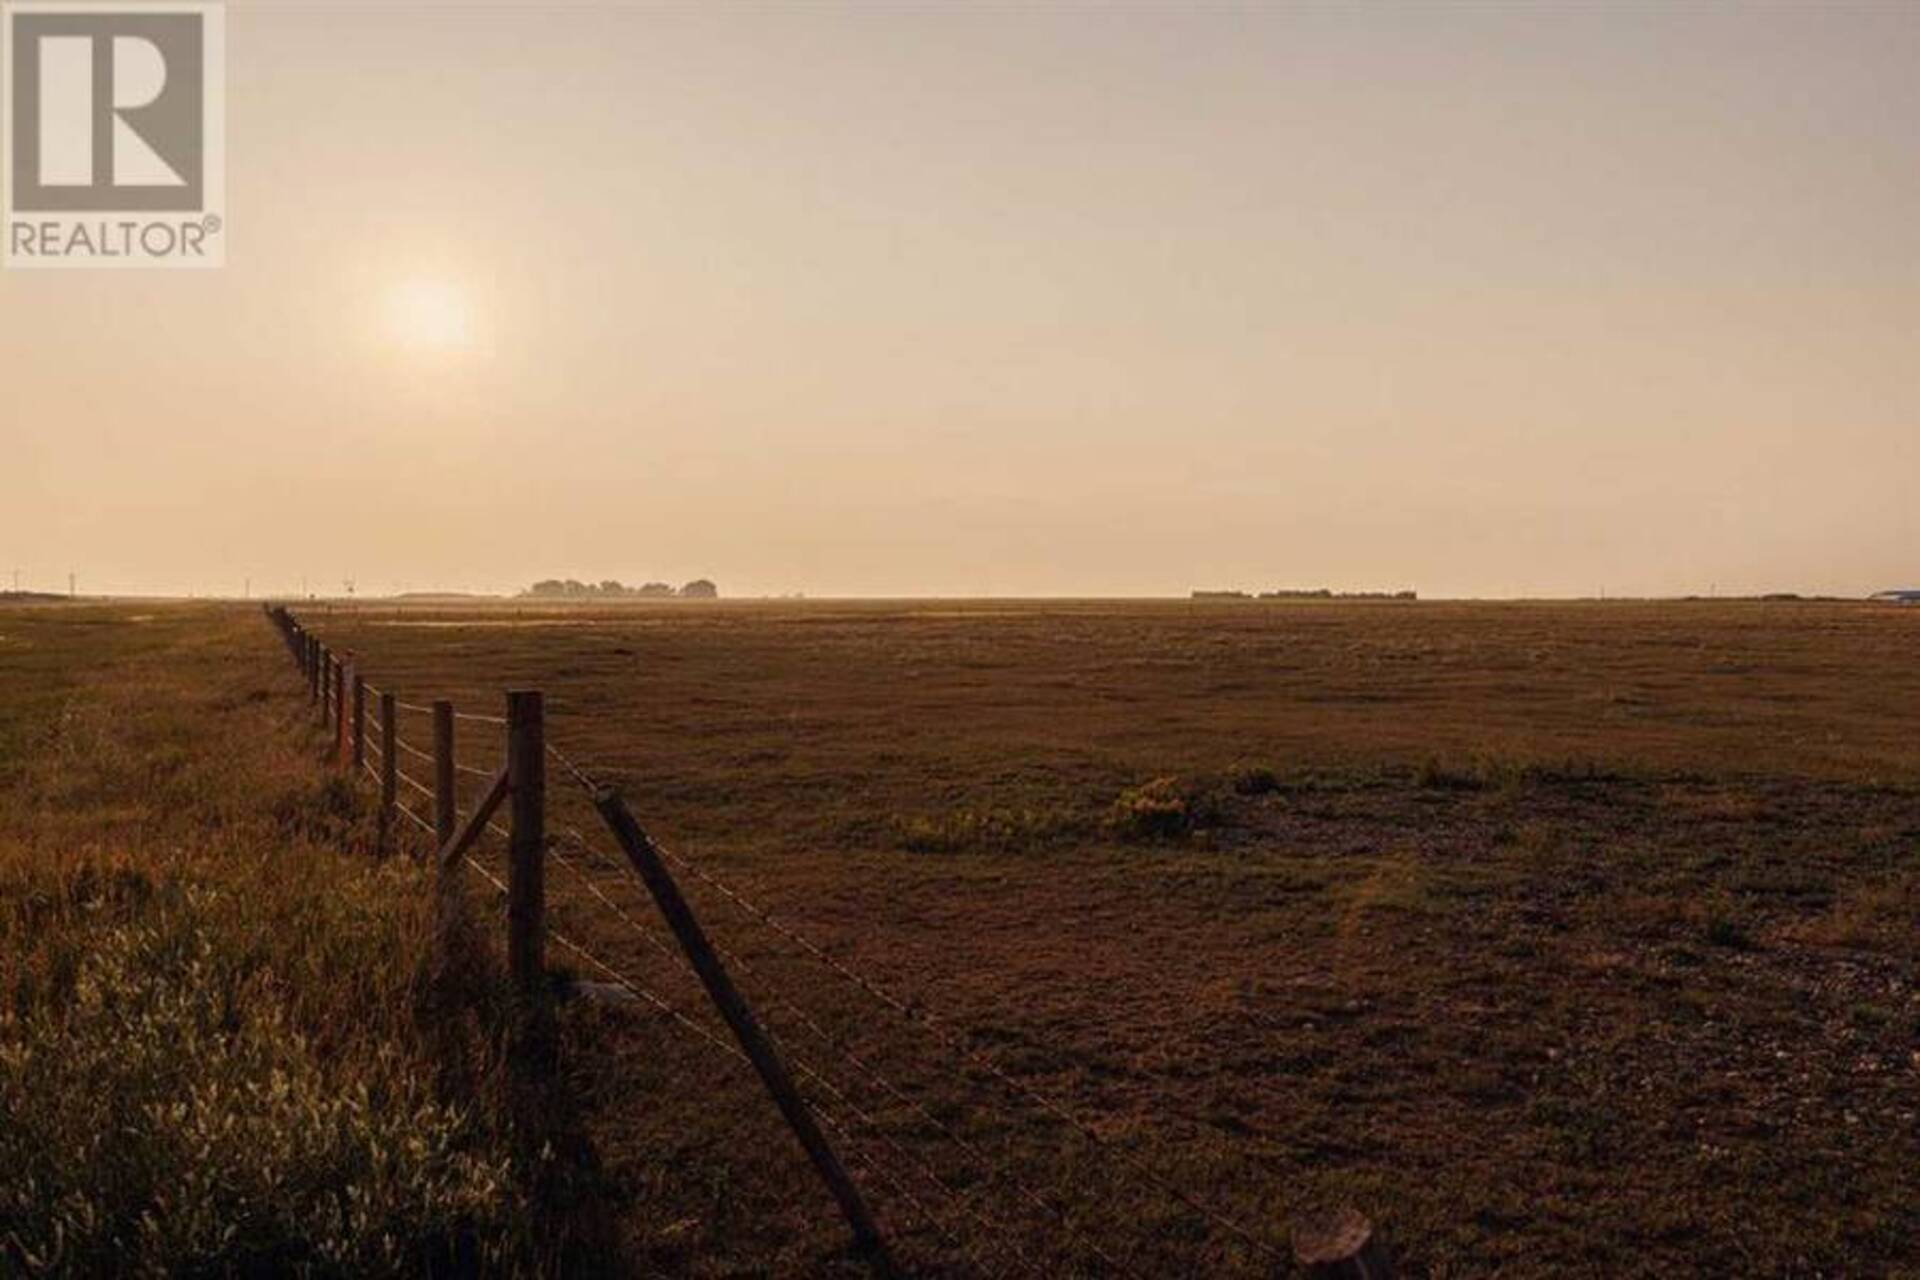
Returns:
(476,822)
(646,860)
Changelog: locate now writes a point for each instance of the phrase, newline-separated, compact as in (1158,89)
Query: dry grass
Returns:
(213,1054)
(1558,938)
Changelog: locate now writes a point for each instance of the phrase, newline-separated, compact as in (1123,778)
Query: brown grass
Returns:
(1558,938)
(220,1051)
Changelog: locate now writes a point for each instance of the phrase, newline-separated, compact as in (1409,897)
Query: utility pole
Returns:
(71,592)
(247,592)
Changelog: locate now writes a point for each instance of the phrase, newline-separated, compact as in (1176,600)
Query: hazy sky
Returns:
(1500,299)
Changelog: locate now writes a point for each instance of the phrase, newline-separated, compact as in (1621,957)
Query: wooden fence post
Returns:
(526,869)
(313,669)
(343,733)
(389,770)
(359,721)
(739,1018)
(444,817)
(340,711)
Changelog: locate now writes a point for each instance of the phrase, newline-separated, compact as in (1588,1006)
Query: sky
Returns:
(1477,300)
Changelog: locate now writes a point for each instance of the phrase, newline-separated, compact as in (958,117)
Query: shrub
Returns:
(1162,809)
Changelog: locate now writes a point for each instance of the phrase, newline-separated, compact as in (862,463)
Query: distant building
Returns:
(1909,596)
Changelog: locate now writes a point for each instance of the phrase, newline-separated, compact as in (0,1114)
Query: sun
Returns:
(430,315)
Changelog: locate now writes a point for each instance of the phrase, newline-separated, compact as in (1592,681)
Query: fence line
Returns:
(330,676)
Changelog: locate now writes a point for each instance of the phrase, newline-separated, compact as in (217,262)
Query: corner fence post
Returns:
(526,872)
(359,720)
(445,820)
(733,1008)
(389,770)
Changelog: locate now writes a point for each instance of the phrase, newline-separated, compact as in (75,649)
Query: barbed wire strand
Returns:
(956,1039)
(414,818)
(994,1168)
(846,1055)
(808,1073)
(586,783)
(414,782)
(681,964)
(412,750)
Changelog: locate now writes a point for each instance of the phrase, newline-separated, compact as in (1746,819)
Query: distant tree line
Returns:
(572,589)
(1318,593)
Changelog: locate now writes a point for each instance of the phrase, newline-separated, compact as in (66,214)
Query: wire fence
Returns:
(925,1168)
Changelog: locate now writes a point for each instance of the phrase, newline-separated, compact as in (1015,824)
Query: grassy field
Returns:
(226,1044)
(1558,938)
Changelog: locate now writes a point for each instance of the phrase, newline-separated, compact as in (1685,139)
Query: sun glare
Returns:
(430,315)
